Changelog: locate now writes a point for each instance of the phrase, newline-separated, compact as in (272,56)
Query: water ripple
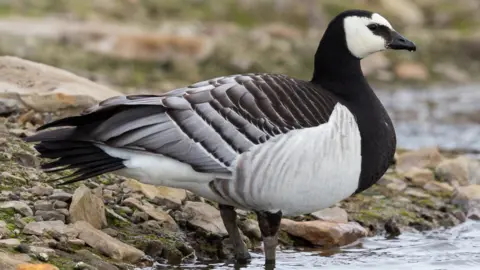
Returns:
(457,248)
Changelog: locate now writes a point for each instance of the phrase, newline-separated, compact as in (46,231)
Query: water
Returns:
(448,118)
(456,248)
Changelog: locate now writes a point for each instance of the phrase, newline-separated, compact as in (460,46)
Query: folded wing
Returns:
(206,125)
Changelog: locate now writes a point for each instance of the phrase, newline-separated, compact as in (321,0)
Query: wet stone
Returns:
(50,215)
(60,195)
(60,205)
(43,206)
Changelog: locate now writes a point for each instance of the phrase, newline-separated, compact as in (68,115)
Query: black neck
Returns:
(333,60)
(338,71)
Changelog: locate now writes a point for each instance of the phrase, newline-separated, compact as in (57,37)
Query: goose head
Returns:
(367,32)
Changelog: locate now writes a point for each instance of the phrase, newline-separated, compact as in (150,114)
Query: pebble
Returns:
(205,217)
(26,195)
(50,215)
(88,206)
(60,204)
(4,231)
(41,190)
(391,228)
(9,243)
(84,266)
(417,193)
(76,242)
(8,106)
(19,206)
(124,209)
(60,195)
(27,266)
(108,245)
(251,229)
(43,205)
(43,257)
(139,217)
(336,214)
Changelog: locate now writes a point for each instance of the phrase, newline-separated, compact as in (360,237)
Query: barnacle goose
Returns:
(268,143)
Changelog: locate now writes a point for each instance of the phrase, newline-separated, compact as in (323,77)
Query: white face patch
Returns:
(360,40)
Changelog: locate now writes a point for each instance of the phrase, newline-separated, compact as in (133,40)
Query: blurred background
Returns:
(151,46)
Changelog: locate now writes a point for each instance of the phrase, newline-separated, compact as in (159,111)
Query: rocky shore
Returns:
(113,223)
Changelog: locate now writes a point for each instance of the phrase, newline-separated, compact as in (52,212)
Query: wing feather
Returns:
(207,124)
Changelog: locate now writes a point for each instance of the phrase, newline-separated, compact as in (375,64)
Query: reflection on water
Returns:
(447,117)
(457,248)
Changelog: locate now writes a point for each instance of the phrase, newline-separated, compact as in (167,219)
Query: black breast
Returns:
(377,134)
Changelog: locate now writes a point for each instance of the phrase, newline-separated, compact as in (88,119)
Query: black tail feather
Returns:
(70,161)
(85,158)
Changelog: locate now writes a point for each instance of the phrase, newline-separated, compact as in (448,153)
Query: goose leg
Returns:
(269,224)
(229,217)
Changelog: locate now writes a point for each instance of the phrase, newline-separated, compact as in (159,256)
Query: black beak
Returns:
(398,42)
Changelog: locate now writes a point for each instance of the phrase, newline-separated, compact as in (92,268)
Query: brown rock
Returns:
(173,195)
(335,214)
(463,170)
(387,179)
(418,193)
(11,261)
(156,213)
(19,206)
(41,228)
(4,231)
(41,190)
(419,176)
(45,88)
(474,214)
(422,158)
(397,185)
(412,71)
(36,267)
(324,233)
(88,207)
(205,217)
(468,197)
(435,186)
(8,106)
(106,244)
(250,228)
(9,243)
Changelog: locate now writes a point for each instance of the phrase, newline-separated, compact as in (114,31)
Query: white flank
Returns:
(304,170)
(159,170)
(360,40)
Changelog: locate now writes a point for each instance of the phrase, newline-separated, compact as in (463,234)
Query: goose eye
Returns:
(372,26)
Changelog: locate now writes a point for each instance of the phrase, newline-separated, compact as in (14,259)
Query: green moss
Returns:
(7,215)
(28,219)
(426,202)
(252,215)
(117,223)
(407,214)
(370,214)
(285,239)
